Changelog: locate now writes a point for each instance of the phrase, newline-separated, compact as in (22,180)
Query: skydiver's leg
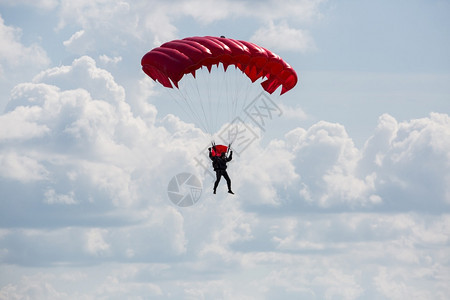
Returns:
(227,178)
(218,176)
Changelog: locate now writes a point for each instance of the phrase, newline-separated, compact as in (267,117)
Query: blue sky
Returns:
(343,194)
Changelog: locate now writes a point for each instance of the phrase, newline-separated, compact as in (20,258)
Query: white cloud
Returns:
(411,159)
(326,160)
(85,12)
(76,36)
(110,60)
(16,58)
(333,171)
(118,21)
(19,124)
(51,197)
(24,168)
(209,11)
(263,183)
(95,242)
(283,37)
(78,114)
(300,11)
(79,43)
(85,160)
(377,244)
(84,73)
(112,168)
(294,113)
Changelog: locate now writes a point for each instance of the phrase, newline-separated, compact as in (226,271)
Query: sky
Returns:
(342,190)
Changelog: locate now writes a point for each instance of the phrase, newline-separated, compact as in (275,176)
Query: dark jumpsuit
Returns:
(220,166)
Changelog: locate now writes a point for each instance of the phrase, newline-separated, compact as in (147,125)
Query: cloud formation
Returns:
(85,179)
(15,55)
(87,150)
(323,168)
(139,18)
(283,37)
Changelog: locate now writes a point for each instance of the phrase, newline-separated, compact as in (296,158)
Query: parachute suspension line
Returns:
(220,96)
(235,81)
(228,95)
(209,91)
(164,68)
(202,106)
(200,91)
(183,94)
(231,89)
(240,97)
(215,96)
(190,102)
(210,102)
(242,92)
(220,90)
(236,95)
(234,92)
(201,94)
(251,92)
(182,102)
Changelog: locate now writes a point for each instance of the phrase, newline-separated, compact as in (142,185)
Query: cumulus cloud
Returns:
(326,159)
(78,113)
(411,160)
(84,73)
(20,124)
(86,158)
(21,167)
(320,167)
(96,176)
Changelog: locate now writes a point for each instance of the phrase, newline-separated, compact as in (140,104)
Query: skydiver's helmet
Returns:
(223,154)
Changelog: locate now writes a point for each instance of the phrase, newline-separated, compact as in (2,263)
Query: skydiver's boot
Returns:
(229,187)
(228,183)
(214,191)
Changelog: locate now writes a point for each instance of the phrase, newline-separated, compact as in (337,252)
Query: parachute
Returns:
(170,64)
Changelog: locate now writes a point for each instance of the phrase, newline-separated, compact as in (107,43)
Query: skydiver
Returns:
(220,166)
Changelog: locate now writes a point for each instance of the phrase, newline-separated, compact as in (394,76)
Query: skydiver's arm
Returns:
(210,154)
(231,156)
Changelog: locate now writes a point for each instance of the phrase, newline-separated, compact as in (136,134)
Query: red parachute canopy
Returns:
(168,63)
(217,150)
